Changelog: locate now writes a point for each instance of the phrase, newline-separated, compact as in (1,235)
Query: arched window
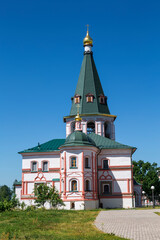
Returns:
(87,162)
(90,127)
(45,166)
(34,167)
(72,127)
(74,185)
(87,185)
(73,162)
(105,164)
(106,130)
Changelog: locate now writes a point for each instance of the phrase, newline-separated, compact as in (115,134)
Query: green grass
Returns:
(51,224)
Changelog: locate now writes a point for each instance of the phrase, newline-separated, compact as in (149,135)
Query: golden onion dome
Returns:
(87,41)
(78,118)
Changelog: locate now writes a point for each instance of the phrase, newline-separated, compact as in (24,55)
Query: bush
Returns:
(2,208)
(31,208)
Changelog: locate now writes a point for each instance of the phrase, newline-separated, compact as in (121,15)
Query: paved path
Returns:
(131,224)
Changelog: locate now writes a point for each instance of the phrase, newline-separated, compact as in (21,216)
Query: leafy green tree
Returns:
(45,193)
(146,174)
(5,193)
(54,198)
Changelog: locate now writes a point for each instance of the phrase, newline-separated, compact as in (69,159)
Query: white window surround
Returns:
(34,166)
(45,166)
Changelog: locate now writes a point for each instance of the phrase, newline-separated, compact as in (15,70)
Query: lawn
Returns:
(51,224)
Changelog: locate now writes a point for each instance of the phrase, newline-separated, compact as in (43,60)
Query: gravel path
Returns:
(131,224)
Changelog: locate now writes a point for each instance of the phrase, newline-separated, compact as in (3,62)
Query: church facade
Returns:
(88,168)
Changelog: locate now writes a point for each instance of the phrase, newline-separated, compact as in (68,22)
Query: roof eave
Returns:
(91,114)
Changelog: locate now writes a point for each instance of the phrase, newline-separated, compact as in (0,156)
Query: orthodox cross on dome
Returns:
(87,27)
(87,42)
(78,107)
(78,120)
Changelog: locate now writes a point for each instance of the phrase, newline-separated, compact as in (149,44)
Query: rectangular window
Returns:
(77,99)
(86,162)
(89,98)
(34,167)
(45,166)
(105,164)
(73,162)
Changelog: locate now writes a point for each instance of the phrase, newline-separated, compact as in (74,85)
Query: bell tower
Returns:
(90,97)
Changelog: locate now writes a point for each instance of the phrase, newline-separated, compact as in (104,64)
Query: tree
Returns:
(45,193)
(146,174)
(54,198)
(5,193)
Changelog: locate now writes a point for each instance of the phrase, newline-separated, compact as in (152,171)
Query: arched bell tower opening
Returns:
(90,127)
(106,130)
(72,126)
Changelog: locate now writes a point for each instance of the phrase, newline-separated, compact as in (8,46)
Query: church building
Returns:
(88,168)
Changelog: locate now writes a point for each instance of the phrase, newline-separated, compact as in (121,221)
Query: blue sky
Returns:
(41,52)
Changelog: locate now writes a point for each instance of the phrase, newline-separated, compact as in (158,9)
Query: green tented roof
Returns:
(89,82)
(106,143)
(95,140)
(49,146)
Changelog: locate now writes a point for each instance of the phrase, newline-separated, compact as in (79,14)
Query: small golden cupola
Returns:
(78,120)
(87,42)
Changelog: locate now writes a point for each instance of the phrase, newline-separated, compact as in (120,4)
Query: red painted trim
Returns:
(81,199)
(114,169)
(64,175)
(60,171)
(26,188)
(83,174)
(96,190)
(128,187)
(115,196)
(92,174)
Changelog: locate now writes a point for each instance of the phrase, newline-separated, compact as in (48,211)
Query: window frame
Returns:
(102,185)
(86,188)
(32,170)
(87,167)
(43,166)
(102,99)
(72,187)
(77,99)
(104,160)
(76,164)
(89,98)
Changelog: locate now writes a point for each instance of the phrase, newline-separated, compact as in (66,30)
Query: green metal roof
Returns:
(89,82)
(17,183)
(49,146)
(106,143)
(79,139)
